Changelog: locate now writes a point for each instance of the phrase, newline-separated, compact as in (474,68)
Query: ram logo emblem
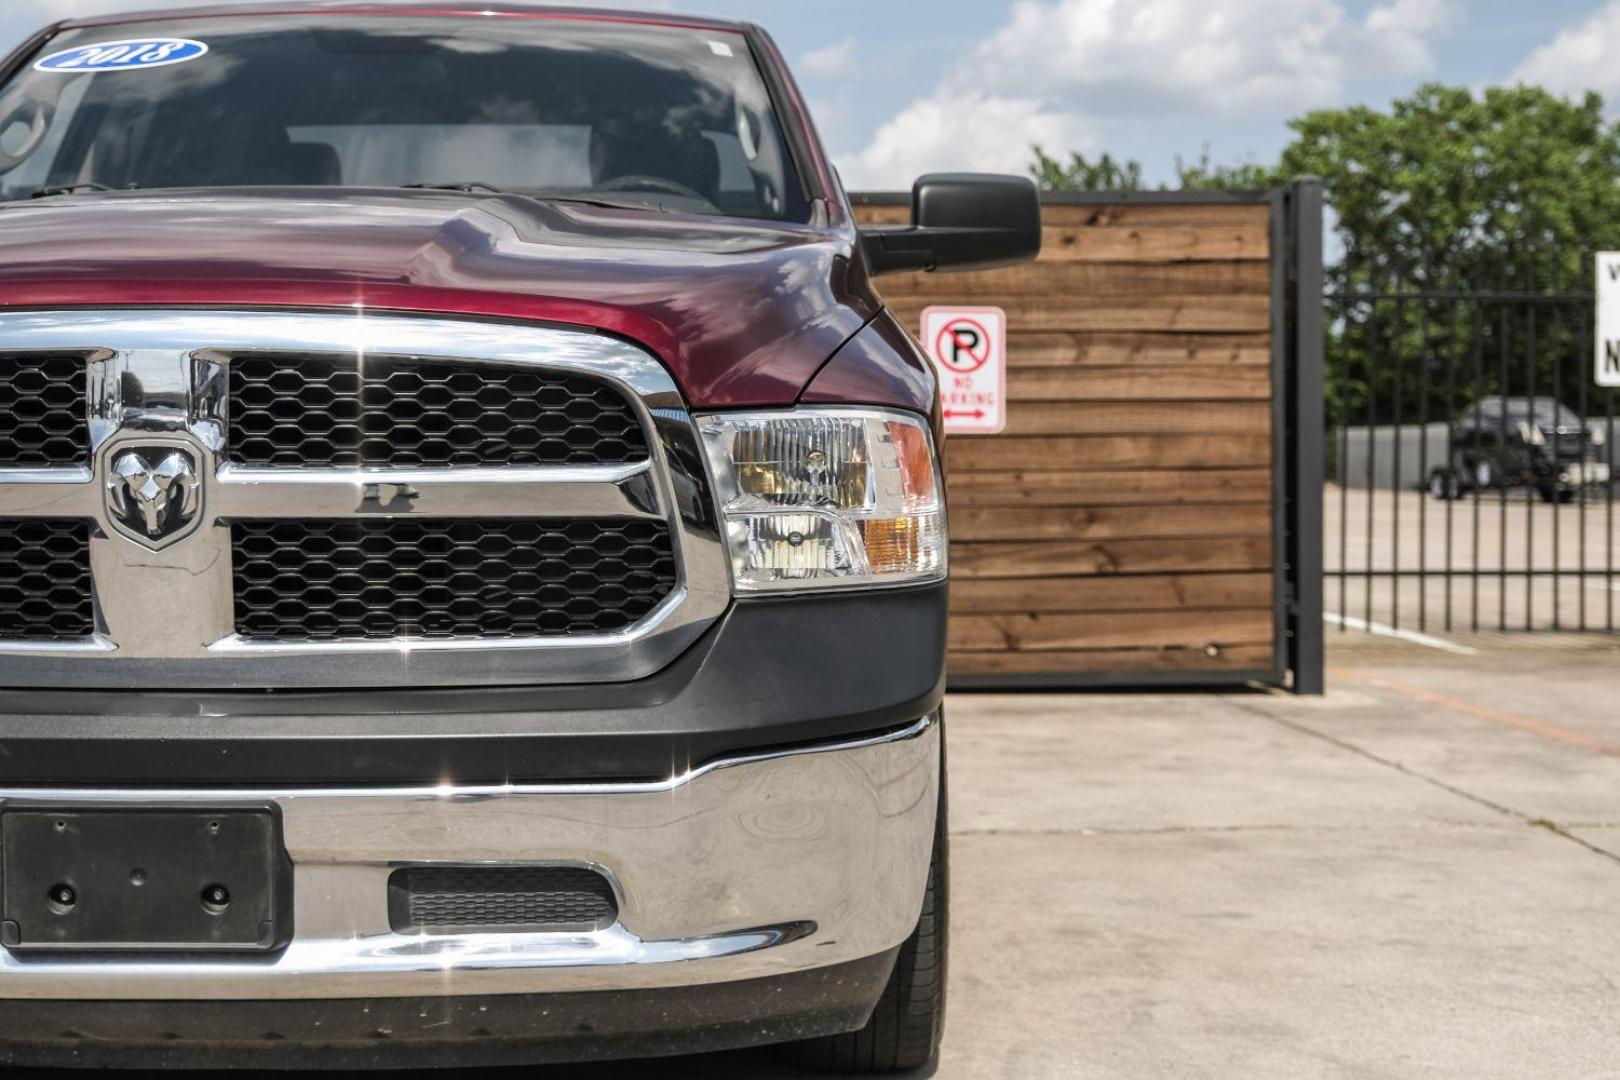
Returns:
(154,494)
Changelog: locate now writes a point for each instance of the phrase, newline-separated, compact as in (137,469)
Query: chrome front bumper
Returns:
(742,868)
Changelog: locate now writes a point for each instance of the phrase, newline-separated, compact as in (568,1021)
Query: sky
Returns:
(902,87)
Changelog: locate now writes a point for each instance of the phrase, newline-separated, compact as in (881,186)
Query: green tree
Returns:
(1205,174)
(1450,192)
(1083,174)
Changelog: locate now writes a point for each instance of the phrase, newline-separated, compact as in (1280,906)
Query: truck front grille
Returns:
(339,411)
(362,579)
(338,500)
(45,579)
(500,899)
(43,417)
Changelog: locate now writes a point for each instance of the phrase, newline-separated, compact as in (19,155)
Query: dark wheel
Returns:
(1552,493)
(1443,484)
(905,1028)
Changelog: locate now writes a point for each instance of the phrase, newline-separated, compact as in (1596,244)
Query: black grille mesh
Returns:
(462,577)
(43,415)
(45,579)
(323,410)
(509,898)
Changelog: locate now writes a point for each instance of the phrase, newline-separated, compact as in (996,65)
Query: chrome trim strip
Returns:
(95,643)
(754,865)
(161,377)
(594,491)
(73,474)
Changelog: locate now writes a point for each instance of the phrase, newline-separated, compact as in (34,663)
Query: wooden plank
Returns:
(899,214)
(1124,213)
(1161,383)
(1037,349)
(1169,243)
(1108,487)
(1085,279)
(1160,214)
(1083,557)
(1068,453)
(1039,632)
(1147,592)
(970,522)
(1113,661)
(1184,313)
(1146,417)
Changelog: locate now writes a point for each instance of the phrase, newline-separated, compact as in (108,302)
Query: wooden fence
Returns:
(1125,527)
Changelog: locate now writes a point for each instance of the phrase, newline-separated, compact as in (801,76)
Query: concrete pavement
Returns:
(1415,876)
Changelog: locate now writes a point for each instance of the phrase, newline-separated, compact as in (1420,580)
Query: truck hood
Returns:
(743,312)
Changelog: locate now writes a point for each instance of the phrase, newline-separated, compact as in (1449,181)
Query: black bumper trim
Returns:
(770,673)
(442,1032)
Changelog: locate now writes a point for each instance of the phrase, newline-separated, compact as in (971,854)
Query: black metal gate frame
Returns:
(1532,300)
(1298,443)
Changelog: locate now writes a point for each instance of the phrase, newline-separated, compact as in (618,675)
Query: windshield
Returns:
(673,119)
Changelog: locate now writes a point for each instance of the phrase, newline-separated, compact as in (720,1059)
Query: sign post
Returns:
(1608,318)
(968,346)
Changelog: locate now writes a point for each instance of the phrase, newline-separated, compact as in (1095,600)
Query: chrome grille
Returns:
(45,580)
(43,416)
(457,577)
(317,409)
(559,556)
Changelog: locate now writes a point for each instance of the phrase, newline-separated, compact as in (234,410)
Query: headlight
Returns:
(827,497)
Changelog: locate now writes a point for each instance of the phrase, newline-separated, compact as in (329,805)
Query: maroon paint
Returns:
(408,7)
(743,312)
(882,365)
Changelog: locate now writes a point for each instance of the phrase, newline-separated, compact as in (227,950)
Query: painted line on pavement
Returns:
(1426,640)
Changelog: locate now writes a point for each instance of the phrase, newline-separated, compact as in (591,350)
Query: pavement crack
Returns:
(1405,770)
(1559,830)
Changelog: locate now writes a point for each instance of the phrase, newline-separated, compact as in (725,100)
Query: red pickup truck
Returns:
(472,547)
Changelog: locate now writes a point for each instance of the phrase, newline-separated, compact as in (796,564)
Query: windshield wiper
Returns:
(73,189)
(470,187)
(478,187)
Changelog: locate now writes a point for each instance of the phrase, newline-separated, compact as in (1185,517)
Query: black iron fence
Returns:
(1471,460)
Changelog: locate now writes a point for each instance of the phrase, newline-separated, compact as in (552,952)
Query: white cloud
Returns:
(950,131)
(831,61)
(1584,57)
(1233,55)
(1073,66)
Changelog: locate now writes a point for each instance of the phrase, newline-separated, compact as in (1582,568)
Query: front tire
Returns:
(905,1028)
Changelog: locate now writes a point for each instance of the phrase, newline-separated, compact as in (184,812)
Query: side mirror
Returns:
(961,221)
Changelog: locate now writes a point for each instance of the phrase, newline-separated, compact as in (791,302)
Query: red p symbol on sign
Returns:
(963,345)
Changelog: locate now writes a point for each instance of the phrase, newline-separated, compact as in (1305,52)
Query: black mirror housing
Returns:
(961,221)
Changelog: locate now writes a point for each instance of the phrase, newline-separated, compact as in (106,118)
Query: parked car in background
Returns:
(1500,443)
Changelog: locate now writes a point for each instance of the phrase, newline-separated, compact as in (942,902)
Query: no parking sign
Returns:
(969,348)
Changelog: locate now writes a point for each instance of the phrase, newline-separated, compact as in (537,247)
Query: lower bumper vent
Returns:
(500,899)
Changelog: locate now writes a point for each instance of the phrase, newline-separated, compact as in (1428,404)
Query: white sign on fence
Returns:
(1608,318)
(969,348)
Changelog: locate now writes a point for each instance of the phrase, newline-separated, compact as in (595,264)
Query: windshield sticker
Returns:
(720,48)
(132,54)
